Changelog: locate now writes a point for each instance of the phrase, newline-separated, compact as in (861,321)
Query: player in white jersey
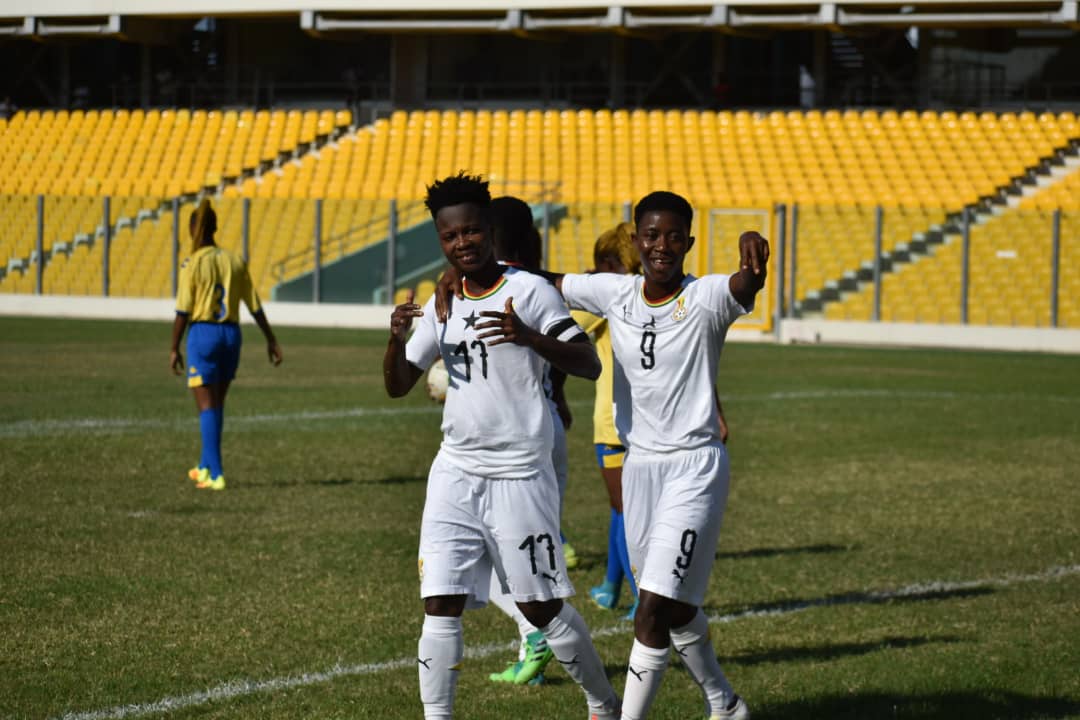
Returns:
(492,500)
(667,330)
(517,244)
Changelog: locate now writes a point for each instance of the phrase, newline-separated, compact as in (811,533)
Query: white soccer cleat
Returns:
(611,710)
(738,711)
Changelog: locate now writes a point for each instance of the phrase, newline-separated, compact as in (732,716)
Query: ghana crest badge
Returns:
(680,310)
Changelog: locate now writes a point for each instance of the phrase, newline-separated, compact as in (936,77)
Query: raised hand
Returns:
(506,327)
(402,317)
(753,252)
(448,287)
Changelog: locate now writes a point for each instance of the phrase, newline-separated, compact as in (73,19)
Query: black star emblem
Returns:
(470,320)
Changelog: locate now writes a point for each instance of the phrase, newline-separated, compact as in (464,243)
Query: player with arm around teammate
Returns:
(667,331)
(211,284)
(492,500)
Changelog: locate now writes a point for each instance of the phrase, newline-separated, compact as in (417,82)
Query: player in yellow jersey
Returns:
(211,285)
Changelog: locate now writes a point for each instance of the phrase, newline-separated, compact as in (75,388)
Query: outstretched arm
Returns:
(753,258)
(399,375)
(273,350)
(574,357)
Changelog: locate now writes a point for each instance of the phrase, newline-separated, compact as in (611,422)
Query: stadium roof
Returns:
(50,17)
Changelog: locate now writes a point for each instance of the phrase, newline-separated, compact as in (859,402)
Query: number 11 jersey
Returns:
(496,421)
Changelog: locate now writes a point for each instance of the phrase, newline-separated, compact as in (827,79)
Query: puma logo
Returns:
(553,578)
(635,673)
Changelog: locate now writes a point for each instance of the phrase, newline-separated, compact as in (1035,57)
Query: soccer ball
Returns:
(438,380)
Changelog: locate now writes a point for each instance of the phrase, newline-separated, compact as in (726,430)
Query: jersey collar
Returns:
(498,286)
(665,300)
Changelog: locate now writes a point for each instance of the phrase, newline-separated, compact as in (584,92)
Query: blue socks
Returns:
(623,553)
(211,422)
(614,574)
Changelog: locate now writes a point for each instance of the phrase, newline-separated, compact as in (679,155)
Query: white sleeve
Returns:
(592,292)
(422,349)
(723,303)
(549,314)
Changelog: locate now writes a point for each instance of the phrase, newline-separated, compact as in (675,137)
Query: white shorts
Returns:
(560,455)
(474,524)
(673,506)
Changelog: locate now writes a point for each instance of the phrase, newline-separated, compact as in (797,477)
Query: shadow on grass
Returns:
(832,652)
(946,706)
(822,549)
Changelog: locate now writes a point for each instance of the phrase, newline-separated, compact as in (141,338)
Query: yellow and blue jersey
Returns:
(609,447)
(211,285)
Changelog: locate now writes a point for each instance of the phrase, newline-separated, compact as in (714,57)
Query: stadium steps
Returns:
(1062,167)
(308,142)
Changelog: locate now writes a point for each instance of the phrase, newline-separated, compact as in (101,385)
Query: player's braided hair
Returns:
(516,236)
(203,224)
(457,190)
(617,242)
(664,201)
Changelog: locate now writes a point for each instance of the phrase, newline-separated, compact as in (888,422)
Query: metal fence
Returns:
(1018,267)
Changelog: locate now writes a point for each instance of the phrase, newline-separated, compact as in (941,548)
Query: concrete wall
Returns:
(971,337)
(377,317)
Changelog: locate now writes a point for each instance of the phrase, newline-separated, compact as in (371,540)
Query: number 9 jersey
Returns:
(211,285)
(496,420)
(667,351)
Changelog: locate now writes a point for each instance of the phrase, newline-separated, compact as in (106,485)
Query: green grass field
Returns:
(901,541)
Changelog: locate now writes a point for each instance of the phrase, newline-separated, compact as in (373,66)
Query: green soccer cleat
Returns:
(570,556)
(217,483)
(537,656)
(507,675)
(199,474)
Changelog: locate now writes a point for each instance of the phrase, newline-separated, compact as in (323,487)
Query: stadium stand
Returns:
(139,159)
(838,166)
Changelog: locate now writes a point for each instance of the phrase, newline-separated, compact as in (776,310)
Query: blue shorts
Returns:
(213,353)
(609,456)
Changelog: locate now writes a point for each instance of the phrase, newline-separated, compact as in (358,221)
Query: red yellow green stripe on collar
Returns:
(662,301)
(489,293)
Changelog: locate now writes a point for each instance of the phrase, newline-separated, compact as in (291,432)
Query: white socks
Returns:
(643,676)
(438,661)
(691,642)
(569,640)
(506,603)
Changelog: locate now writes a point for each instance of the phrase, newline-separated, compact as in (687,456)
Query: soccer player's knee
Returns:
(541,612)
(444,605)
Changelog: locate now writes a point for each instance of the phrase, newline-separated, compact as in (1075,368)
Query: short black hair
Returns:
(457,190)
(516,236)
(664,201)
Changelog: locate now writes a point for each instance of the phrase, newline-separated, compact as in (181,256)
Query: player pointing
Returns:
(492,501)
(667,330)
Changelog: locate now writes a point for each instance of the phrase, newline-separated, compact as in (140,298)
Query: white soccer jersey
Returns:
(667,351)
(496,420)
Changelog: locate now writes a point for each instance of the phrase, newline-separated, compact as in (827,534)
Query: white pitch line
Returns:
(237,688)
(115,425)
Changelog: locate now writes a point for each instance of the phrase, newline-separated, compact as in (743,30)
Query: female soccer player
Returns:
(212,282)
